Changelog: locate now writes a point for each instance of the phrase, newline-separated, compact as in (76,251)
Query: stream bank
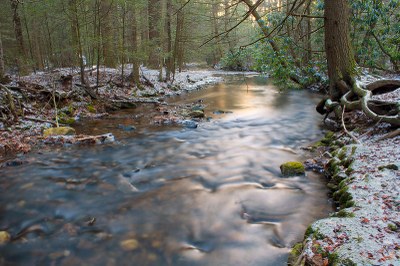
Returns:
(364,178)
(43,99)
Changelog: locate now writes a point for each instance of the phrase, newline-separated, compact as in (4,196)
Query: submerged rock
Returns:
(189,124)
(126,127)
(56,131)
(129,244)
(4,237)
(292,169)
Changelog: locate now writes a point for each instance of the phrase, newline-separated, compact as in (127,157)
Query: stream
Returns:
(169,195)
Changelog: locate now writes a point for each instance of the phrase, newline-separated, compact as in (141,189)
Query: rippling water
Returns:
(171,196)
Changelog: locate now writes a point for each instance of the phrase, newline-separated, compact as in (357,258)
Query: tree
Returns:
(342,72)
(339,53)
(2,68)
(19,37)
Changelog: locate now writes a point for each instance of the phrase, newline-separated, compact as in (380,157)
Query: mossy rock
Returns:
(56,131)
(196,114)
(389,166)
(295,253)
(67,120)
(292,169)
(4,237)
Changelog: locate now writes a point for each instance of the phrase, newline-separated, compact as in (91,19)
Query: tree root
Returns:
(360,98)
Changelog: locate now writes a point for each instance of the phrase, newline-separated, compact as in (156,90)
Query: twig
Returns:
(345,129)
(55,104)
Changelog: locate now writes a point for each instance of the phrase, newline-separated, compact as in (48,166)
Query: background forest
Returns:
(281,38)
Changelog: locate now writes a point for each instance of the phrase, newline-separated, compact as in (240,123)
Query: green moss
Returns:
(55,131)
(348,162)
(342,184)
(389,166)
(91,108)
(343,214)
(295,252)
(318,235)
(346,262)
(333,258)
(349,204)
(292,169)
(342,154)
(392,227)
(349,170)
(309,231)
(67,120)
(353,150)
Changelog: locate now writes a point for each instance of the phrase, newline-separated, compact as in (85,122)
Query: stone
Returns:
(189,124)
(196,114)
(129,244)
(56,131)
(4,237)
(126,127)
(292,169)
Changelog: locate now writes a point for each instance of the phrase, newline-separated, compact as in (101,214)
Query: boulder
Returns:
(292,169)
(56,131)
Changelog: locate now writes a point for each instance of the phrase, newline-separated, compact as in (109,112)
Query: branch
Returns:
(304,15)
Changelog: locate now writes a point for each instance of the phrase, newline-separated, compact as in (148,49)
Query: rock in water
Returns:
(129,244)
(197,114)
(292,169)
(56,131)
(189,124)
(4,237)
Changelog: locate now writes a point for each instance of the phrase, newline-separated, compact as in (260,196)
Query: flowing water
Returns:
(169,195)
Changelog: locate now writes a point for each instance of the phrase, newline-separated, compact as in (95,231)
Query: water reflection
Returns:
(210,196)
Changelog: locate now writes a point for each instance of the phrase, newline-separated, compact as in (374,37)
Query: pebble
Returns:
(129,244)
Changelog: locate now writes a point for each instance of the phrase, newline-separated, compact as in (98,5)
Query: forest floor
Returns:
(364,178)
(28,103)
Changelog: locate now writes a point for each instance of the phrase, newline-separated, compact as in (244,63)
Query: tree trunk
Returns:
(21,59)
(135,75)
(76,40)
(154,7)
(169,61)
(339,53)
(218,50)
(2,68)
(107,34)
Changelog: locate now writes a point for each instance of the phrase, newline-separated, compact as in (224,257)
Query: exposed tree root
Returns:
(360,98)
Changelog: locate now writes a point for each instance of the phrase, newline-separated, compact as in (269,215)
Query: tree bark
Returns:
(21,58)
(339,53)
(107,34)
(77,44)
(135,75)
(154,7)
(2,68)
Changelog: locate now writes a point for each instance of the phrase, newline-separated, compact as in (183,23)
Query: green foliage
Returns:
(239,60)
